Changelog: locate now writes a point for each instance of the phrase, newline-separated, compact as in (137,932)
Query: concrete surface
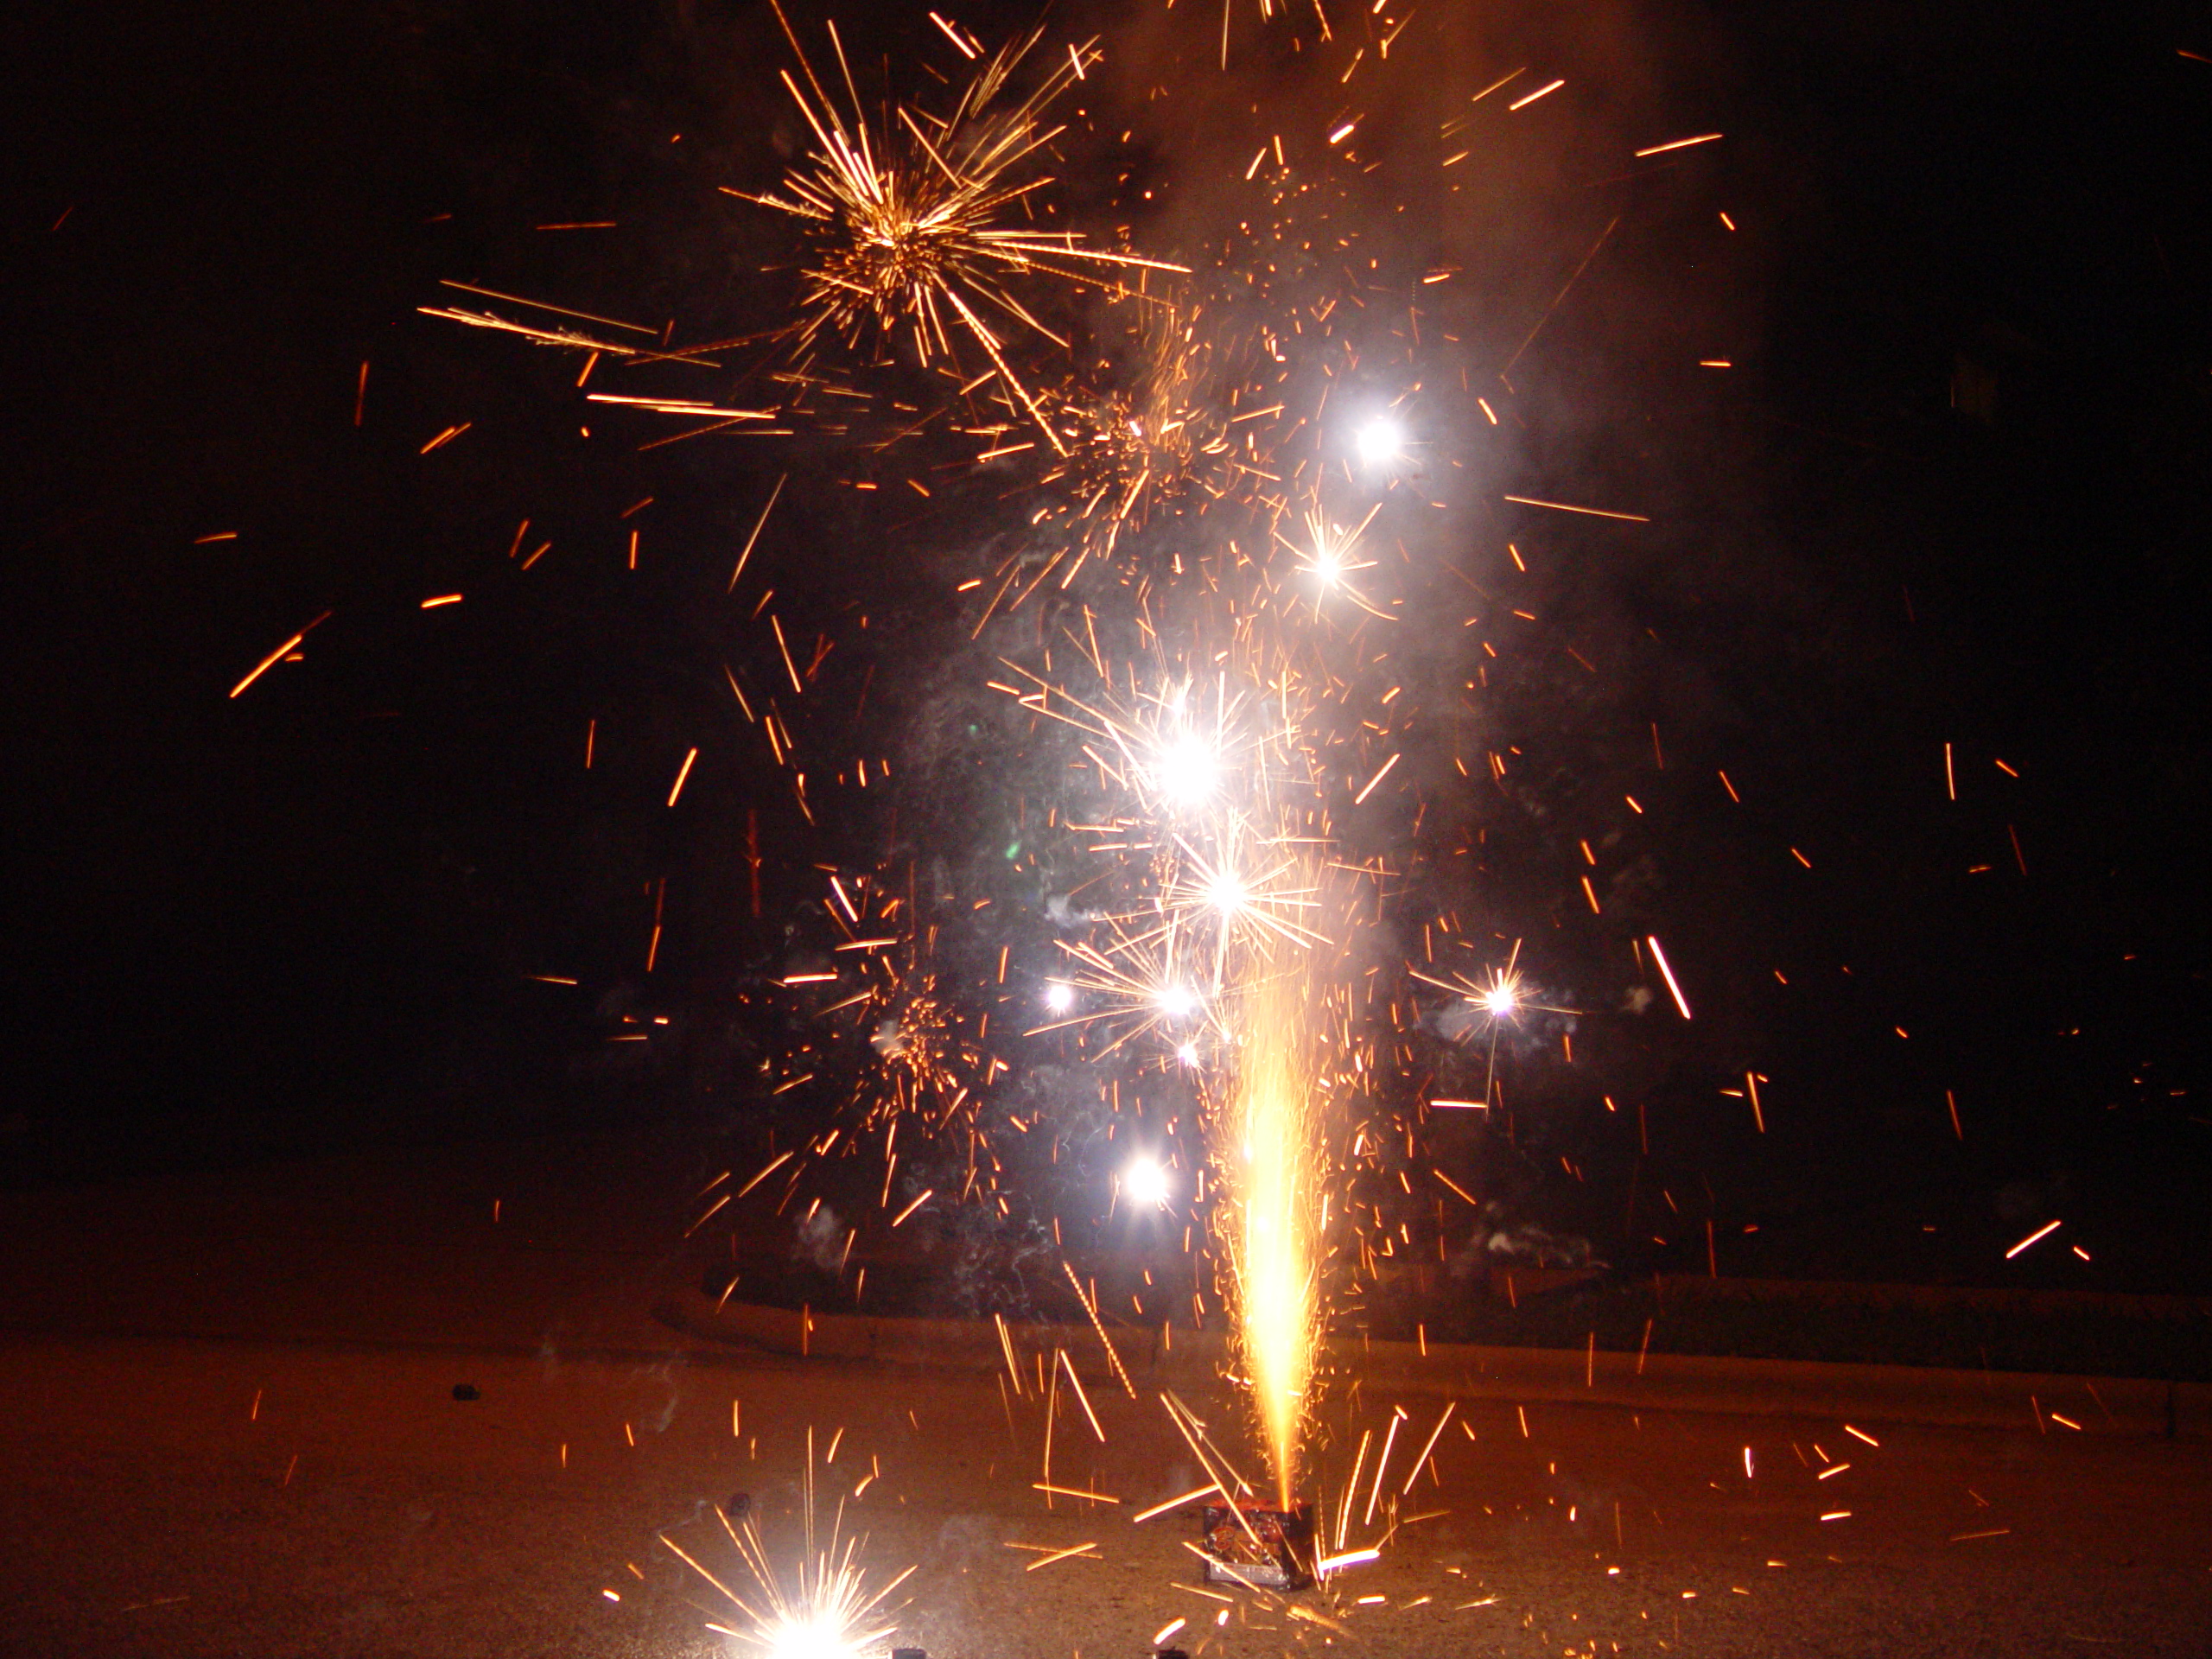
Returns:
(227,1427)
(1654,1381)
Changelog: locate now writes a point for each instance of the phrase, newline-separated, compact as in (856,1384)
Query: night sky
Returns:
(1953,490)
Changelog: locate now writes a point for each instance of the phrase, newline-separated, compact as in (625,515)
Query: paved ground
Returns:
(303,1481)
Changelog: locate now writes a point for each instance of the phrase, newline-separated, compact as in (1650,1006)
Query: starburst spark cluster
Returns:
(910,236)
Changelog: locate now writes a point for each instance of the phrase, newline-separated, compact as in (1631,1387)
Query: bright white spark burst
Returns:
(1144,1183)
(1380,440)
(1330,557)
(828,1610)
(1186,770)
(1494,1001)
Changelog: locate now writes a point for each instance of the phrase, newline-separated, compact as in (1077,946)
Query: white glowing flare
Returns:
(1244,894)
(1226,894)
(1178,1002)
(1186,770)
(1059,998)
(825,1610)
(813,1637)
(1330,555)
(1144,1183)
(1499,999)
(1380,441)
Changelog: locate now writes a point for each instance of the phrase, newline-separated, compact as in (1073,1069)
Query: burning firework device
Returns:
(1270,1547)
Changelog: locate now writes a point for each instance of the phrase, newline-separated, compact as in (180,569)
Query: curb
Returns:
(1895,1394)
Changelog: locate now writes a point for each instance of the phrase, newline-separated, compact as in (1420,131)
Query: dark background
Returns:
(1965,450)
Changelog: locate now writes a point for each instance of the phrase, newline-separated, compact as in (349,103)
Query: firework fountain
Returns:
(1193,473)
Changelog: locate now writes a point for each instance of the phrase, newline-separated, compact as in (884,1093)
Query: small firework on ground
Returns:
(818,1600)
(1253,1544)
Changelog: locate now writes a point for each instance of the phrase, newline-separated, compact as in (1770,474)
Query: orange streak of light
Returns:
(1077,1492)
(927,1194)
(277,655)
(1660,956)
(1058,1556)
(1679,143)
(1527,99)
(1594,512)
(1191,1497)
(682,773)
(1376,778)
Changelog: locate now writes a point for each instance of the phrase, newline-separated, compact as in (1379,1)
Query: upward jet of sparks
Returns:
(1270,1155)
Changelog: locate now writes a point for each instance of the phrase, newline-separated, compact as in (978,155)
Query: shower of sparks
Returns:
(1171,440)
